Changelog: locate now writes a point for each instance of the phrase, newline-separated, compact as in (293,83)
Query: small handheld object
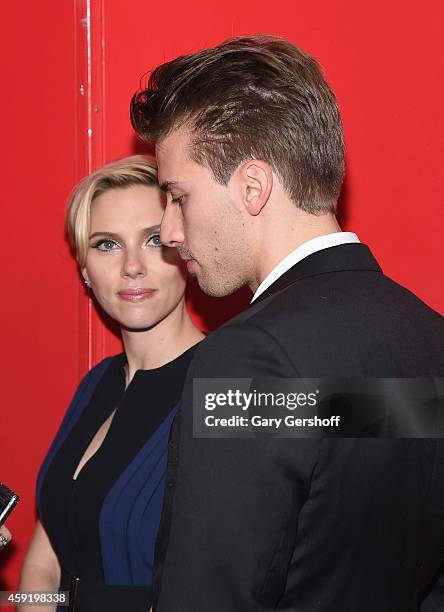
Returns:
(8,500)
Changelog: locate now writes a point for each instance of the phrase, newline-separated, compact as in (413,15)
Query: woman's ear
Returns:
(256,179)
(85,277)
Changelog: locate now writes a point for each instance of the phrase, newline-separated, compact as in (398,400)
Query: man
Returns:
(250,150)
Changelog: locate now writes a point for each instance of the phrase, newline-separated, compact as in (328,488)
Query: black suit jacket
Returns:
(305,525)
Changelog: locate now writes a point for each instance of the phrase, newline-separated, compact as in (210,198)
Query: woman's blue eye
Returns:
(155,240)
(105,245)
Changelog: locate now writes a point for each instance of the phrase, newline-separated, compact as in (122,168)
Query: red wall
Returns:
(383,58)
(38,306)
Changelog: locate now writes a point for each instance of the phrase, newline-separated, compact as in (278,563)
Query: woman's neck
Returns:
(152,348)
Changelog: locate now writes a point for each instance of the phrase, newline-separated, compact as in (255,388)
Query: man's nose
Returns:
(171,228)
(134,263)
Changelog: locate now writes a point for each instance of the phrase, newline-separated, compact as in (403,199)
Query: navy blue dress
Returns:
(103,525)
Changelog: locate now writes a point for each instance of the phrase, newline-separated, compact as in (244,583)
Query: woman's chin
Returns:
(138,326)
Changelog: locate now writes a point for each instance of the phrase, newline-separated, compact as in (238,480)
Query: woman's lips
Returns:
(136,295)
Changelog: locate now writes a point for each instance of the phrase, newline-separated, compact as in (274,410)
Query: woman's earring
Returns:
(87,282)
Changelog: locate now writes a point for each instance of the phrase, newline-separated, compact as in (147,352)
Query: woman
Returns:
(100,488)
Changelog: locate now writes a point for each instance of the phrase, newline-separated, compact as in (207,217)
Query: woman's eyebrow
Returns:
(152,228)
(108,234)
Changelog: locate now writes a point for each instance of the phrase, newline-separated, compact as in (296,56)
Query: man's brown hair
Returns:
(255,97)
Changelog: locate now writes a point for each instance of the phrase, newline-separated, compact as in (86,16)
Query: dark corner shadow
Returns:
(343,204)
(213,312)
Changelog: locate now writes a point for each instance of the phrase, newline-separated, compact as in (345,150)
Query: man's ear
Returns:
(256,178)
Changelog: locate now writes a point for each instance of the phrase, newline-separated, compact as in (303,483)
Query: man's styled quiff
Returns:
(256,97)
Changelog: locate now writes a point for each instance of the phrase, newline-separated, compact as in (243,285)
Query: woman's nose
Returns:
(134,264)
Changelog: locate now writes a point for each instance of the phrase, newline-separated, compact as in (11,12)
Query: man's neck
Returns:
(304,227)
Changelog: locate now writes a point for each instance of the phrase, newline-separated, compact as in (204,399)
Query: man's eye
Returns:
(105,245)
(154,240)
(178,200)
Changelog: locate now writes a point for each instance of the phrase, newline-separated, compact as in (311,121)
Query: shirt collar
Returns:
(303,250)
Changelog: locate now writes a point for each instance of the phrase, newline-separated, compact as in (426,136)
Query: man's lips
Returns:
(186,256)
(189,260)
(136,295)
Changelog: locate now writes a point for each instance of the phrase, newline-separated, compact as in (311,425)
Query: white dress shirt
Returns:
(307,248)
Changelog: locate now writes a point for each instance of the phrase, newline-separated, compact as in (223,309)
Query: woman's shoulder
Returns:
(91,379)
(98,370)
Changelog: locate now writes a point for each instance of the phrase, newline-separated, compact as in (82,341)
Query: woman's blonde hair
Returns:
(133,170)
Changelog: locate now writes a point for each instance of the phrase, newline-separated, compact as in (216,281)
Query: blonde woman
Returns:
(101,486)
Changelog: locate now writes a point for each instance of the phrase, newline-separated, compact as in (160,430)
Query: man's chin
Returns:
(215,287)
